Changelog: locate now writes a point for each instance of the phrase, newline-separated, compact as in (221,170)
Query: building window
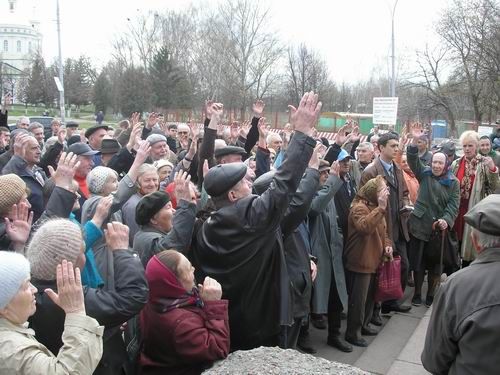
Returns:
(18,46)
(6,46)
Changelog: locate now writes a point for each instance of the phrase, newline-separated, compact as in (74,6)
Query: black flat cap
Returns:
(223,177)
(81,148)
(110,146)
(229,150)
(484,216)
(72,124)
(73,139)
(149,206)
(447,148)
(95,128)
(261,184)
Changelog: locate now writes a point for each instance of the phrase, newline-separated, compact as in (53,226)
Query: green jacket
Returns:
(437,198)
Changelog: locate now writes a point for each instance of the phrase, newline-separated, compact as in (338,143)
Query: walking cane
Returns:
(443,237)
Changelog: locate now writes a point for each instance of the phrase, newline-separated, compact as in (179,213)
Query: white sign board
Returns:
(60,87)
(385,111)
(484,130)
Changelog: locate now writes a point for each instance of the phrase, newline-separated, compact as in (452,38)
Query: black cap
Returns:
(93,129)
(149,206)
(73,139)
(221,178)
(110,146)
(261,184)
(484,215)
(81,148)
(229,150)
(72,124)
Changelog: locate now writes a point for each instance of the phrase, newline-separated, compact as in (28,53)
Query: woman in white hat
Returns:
(20,352)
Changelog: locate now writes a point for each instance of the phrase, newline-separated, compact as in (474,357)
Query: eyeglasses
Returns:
(182,132)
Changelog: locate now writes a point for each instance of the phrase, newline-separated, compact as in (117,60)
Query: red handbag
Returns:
(389,281)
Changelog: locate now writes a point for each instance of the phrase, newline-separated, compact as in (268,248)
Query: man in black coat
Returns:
(240,244)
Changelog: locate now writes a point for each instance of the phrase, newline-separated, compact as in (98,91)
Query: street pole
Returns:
(393,57)
(61,72)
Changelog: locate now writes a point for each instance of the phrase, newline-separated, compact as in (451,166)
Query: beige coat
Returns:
(484,178)
(20,353)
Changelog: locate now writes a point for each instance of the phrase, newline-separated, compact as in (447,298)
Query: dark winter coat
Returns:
(241,246)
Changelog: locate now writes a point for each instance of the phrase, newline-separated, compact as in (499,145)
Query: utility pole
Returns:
(61,72)
(393,56)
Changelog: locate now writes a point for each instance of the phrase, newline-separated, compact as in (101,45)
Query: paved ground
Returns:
(395,350)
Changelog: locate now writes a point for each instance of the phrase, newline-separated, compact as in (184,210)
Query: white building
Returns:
(20,39)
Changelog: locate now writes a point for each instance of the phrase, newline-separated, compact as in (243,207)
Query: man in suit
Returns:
(396,214)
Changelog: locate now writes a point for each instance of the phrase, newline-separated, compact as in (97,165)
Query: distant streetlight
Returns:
(393,57)
(61,71)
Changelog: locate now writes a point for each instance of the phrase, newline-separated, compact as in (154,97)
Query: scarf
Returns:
(466,175)
(166,304)
(445,178)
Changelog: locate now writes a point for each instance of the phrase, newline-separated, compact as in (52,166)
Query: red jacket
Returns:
(183,340)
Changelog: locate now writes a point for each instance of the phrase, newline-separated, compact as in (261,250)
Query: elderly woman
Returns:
(367,242)
(111,305)
(437,205)
(20,352)
(184,328)
(478,177)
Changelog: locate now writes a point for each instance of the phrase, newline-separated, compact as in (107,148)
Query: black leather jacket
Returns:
(241,246)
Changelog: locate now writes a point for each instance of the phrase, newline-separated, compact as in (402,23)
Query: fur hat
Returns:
(14,271)
(12,189)
(53,242)
(97,178)
(149,206)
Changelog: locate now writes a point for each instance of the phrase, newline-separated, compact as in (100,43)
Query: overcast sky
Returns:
(352,35)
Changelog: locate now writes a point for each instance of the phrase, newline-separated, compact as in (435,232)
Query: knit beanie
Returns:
(14,271)
(369,190)
(53,242)
(12,189)
(97,178)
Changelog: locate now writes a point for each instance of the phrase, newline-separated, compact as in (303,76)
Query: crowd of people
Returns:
(158,248)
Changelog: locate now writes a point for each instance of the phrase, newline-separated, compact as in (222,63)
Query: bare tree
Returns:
(468,29)
(430,77)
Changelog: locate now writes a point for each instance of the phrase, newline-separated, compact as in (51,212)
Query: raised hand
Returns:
(116,236)
(152,119)
(69,296)
(133,139)
(217,110)
(208,108)
(134,119)
(142,152)
(234,130)
(262,127)
(355,134)
(314,161)
(488,161)
(305,117)
(18,227)
(335,168)
(416,131)
(20,145)
(182,188)
(66,169)
(244,129)
(211,290)
(341,138)
(382,196)
(258,108)
(102,210)
(61,135)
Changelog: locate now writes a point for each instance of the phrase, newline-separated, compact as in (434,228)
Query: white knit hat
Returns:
(14,271)
(53,242)
(97,178)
